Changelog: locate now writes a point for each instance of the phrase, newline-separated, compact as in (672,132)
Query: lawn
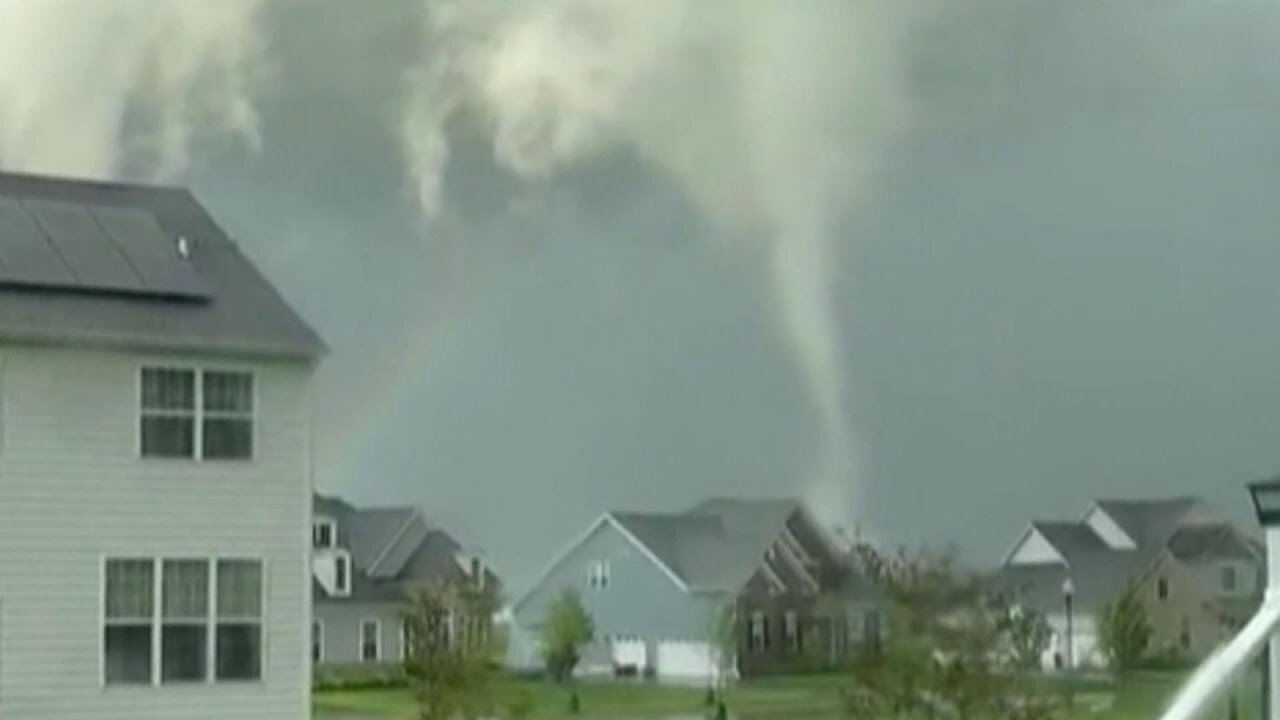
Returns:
(793,698)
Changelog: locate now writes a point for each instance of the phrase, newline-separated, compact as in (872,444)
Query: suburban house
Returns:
(654,583)
(155,474)
(1197,576)
(365,563)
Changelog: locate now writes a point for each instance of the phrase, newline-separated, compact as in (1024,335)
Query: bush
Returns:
(358,677)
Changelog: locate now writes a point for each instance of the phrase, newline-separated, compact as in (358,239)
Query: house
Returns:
(653,584)
(1198,576)
(154,463)
(365,563)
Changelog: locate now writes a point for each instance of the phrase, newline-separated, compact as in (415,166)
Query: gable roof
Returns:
(391,548)
(87,263)
(1149,521)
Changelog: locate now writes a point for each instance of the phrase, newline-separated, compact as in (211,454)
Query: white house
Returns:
(155,494)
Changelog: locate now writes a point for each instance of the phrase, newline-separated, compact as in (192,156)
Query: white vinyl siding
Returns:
(74,492)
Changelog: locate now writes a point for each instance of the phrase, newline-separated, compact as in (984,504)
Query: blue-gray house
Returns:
(653,583)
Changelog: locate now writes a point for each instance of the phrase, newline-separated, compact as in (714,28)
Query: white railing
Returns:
(1218,671)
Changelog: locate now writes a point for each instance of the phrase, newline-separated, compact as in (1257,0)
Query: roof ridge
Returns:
(98,182)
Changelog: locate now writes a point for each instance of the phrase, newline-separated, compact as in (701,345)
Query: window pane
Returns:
(239,588)
(129,588)
(168,389)
(182,652)
(228,392)
(128,653)
(239,651)
(317,642)
(186,589)
(227,438)
(168,436)
(369,641)
(340,579)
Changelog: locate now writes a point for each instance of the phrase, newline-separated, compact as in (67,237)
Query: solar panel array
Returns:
(57,245)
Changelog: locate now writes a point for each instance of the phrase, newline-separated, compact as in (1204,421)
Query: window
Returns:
(791,629)
(168,413)
(181,620)
(227,422)
(198,415)
(476,569)
(184,634)
(370,645)
(317,642)
(1184,638)
(871,630)
(239,620)
(758,635)
(342,574)
(404,640)
(322,534)
(1229,580)
(1162,589)
(126,637)
(598,576)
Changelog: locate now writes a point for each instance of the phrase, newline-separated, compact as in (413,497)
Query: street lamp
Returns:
(1266,502)
(1068,596)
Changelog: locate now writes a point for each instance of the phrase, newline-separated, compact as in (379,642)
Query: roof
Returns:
(1149,521)
(87,263)
(718,544)
(391,549)
(1217,539)
(1069,538)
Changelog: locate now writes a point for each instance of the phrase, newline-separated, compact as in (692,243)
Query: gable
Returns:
(1034,549)
(605,537)
(1109,530)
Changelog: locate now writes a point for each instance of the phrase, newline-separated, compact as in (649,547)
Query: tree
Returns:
(567,628)
(1028,635)
(449,649)
(1124,632)
(945,650)
(722,638)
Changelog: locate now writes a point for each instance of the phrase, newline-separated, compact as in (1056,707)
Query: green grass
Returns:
(1141,697)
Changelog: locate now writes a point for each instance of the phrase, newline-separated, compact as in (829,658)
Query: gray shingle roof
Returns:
(67,282)
(406,548)
(716,545)
(1149,521)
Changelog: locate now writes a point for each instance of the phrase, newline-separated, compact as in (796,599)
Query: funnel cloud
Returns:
(764,112)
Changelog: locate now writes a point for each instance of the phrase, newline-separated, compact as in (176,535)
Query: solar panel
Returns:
(91,256)
(150,251)
(26,257)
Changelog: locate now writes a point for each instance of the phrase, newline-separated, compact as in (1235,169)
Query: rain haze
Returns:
(937,269)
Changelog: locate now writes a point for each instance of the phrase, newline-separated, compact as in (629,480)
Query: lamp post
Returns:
(1068,598)
(1266,502)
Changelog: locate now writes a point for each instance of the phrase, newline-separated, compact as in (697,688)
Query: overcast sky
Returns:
(1059,283)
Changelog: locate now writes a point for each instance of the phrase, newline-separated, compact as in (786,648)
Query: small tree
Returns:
(722,638)
(567,628)
(1028,636)
(1124,632)
(945,650)
(449,649)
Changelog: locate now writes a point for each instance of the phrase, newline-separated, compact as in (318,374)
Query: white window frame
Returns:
(157,620)
(791,629)
(377,639)
(758,632)
(599,575)
(331,526)
(198,413)
(404,639)
(344,557)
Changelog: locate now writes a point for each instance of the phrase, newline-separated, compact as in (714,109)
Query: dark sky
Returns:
(1060,284)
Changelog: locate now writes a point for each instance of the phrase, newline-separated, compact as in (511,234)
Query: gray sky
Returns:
(1058,284)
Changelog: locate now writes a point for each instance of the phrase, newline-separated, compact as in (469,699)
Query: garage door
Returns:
(689,659)
(628,651)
